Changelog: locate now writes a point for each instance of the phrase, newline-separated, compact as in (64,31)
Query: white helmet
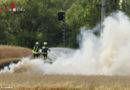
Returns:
(45,43)
(37,43)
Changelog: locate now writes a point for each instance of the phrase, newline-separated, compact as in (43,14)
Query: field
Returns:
(63,82)
(12,54)
(24,81)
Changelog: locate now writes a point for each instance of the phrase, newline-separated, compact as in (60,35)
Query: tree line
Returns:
(39,20)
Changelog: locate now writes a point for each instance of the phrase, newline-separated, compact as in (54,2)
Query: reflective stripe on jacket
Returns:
(35,49)
(34,52)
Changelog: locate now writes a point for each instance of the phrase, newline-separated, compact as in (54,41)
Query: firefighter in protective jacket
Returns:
(35,50)
(45,50)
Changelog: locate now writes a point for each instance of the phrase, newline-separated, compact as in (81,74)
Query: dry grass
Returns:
(64,82)
(21,81)
(13,52)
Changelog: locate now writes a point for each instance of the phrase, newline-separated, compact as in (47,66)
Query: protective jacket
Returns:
(45,50)
(36,49)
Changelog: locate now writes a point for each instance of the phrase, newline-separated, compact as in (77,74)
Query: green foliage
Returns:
(126,6)
(81,13)
(26,38)
(39,21)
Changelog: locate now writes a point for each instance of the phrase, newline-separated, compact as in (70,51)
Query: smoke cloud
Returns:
(104,55)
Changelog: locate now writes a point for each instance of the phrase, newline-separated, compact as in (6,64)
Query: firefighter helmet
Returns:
(45,43)
(37,43)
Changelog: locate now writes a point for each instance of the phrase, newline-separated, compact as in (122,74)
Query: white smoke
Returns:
(25,66)
(108,54)
(114,55)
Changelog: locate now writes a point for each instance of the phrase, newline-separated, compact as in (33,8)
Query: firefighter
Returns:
(35,50)
(45,50)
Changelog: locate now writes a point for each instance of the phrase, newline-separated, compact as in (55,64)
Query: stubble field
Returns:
(21,81)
